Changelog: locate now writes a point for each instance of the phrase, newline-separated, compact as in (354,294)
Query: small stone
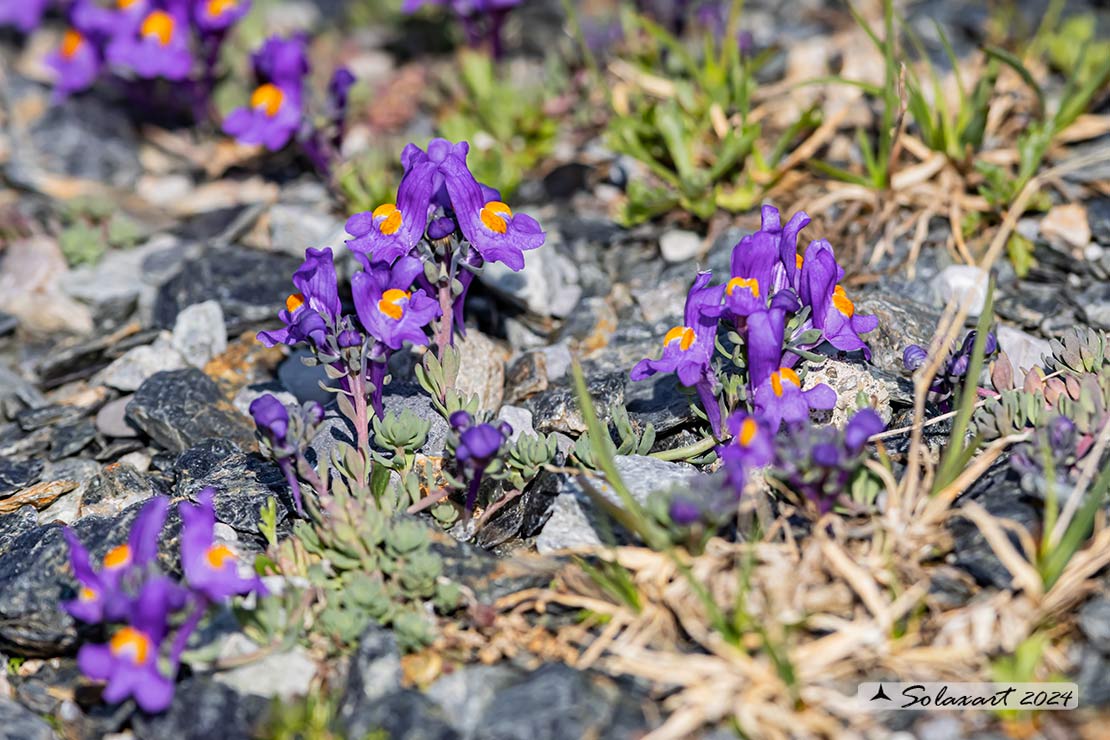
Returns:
(575,518)
(285,675)
(1098,218)
(30,272)
(45,416)
(70,439)
(17,474)
(203,709)
(179,408)
(558,360)
(481,369)
(547,286)
(295,225)
(556,409)
(848,380)
(678,245)
(115,488)
(128,372)
(1094,622)
(199,333)
(965,284)
(67,508)
(1067,226)
(520,419)
(111,420)
(17,723)
(1024,350)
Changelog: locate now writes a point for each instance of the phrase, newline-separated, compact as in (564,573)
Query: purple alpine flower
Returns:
(755,274)
(315,307)
(213,16)
(76,64)
(271,119)
(101,595)
(864,424)
(833,311)
(393,229)
(764,344)
(24,15)
(752,446)
(157,47)
(281,60)
(105,19)
(211,569)
(780,398)
(271,417)
(129,662)
(477,447)
(688,349)
(490,226)
(914,356)
(785,241)
(388,308)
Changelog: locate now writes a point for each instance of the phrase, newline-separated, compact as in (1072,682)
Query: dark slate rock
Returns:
(1094,622)
(250,285)
(554,702)
(1098,216)
(556,409)
(70,439)
(18,723)
(243,483)
(660,401)
(17,392)
(902,321)
(997,491)
(525,515)
(16,524)
(179,408)
(203,709)
(44,416)
(82,358)
(1094,679)
(1094,304)
(16,475)
(83,137)
(8,323)
(374,701)
(115,485)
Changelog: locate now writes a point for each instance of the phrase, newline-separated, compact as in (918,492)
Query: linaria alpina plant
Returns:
(952,373)
(147,608)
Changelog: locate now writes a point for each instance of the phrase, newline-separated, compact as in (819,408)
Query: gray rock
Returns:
(30,272)
(179,408)
(848,380)
(999,493)
(963,284)
(47,416)
(465,694)
(558,359)
(250,285)
(1098,216)
(16,475)
(199,333)
(111,420)
(294,226)
(556,701)
(1094,622)
(117,283)
(17,723)
(128,372)
(902,321)
(285,675)
(1094,679)
(203,709)
(67,508)
(373,699)
(576,519)
(248,394)
(84,137)
(8,323)
(243,484)
(556,409)
(1024,350)
(114,489)
(15,388)
(547,286)
(678,245)
(69,439)
(481,370)
(520,419)
(1094,304)
(303,381)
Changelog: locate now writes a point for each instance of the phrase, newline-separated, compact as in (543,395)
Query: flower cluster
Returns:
(128,590)
(952,373)
(277,111)
(418,257)
(771,288)
(482,20)
(177,40)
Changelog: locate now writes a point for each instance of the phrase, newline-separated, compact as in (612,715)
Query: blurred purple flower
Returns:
(104,19)
(157,47)
(219,15)
(478,445)
(780,398)
(24,15)
(76,64)
(211,569)
(282,60)
(752,446)
(271,417)
(271,119)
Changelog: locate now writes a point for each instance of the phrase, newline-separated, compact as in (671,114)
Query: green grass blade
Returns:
(1077,532)
(1015,64)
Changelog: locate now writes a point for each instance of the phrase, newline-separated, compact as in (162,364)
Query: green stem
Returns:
(684,453)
